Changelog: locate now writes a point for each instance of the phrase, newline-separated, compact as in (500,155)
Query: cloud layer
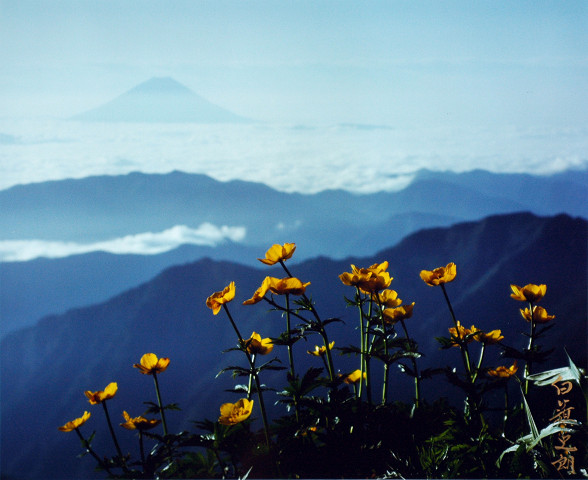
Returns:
(148,243)
(290,158)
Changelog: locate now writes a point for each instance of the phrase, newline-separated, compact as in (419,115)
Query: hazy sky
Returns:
(392,62)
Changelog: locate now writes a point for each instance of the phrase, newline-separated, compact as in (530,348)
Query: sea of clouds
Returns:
(289,158)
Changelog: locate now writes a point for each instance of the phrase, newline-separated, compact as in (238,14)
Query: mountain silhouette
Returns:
(333,223)
(46,368)
(160,99)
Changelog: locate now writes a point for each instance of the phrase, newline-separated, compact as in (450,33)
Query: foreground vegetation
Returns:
(348,424)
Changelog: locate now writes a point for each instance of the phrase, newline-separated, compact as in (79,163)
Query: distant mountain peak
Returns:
(161,85)
(160,99)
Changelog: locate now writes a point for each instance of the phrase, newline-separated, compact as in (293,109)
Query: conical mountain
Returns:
(160,99)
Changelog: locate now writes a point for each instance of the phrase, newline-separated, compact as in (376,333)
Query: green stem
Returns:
(253,372)
(290,353)
(319,321)
(362,343)
(329,364)
(479,362)
(368,385)
(142,450)
(417,387)
(262,407)
(505,419)
(462,345)
(529,363)
(161,411)
(89,449)
(386,364)
(116,445)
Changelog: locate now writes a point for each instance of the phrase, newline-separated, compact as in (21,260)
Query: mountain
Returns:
(105,207)
(46,368)
(333,223)
(160,99)
(61,284)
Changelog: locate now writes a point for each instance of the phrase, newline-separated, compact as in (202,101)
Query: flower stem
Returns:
(254,373)
(89,449)
(362,343)
(462,345)
(290,353)
(116,445)
(529,363)
(161,411)
(417,387)
(479,362)
(319,321)
(142,449)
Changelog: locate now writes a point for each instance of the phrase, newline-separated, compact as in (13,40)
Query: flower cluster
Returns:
(332,402)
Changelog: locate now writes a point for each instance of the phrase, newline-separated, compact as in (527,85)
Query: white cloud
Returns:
(148,243)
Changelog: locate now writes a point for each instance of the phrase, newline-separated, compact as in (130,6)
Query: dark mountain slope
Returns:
(46,368)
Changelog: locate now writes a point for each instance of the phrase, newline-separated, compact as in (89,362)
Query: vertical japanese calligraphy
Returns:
(563,415)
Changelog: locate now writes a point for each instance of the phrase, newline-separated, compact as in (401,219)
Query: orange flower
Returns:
(260,292)
(233,413)
(354,377)
(320,351)
(290,285)
(393,315)
(278,253)
(258,345)
(150,364)
(389,298)
(69,426)
(463,332)
(138,423)
(540,315)
(489,338)
(529,293)
(503,372)
(102,395)
(440,275)
(218,299)
(368,280)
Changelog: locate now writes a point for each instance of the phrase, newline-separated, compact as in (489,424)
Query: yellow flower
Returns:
(290,285)
(393,315)
(151,365)
(69,426)
(389,298)
(218,299)
(320,351)
(138,423)
(440,275)
(258,345)
(529,293)
(277,253)
(540,315)
(503,372)
(260,292)
(354,377)
(102,395)
(462,333)
(233,413)
(490,338)
(368,280)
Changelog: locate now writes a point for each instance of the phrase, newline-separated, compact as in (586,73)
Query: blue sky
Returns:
(486,62)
